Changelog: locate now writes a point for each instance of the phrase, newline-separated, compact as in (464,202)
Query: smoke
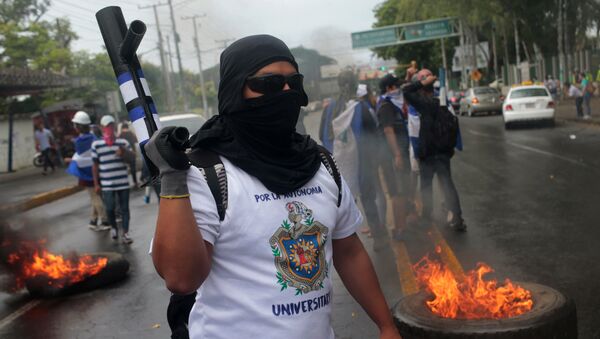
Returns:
(19,241)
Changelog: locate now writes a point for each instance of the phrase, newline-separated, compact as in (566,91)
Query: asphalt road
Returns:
(528,197)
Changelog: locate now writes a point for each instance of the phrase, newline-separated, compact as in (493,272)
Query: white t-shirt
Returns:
(272,257)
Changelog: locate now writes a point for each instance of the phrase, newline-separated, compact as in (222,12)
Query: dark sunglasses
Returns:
(273,83)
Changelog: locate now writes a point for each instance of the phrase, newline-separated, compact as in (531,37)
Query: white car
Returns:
(191,121)
(528,103)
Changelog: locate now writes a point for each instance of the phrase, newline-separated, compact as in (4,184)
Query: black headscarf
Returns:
(243,132)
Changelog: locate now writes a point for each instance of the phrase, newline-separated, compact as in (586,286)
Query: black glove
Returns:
(166,150)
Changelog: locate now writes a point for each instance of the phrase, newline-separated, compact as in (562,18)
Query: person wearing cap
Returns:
(110,155)
(267,266)
(432,160)
(396,168)
(80,166)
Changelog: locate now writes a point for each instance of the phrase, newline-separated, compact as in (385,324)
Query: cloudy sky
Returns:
(321,24)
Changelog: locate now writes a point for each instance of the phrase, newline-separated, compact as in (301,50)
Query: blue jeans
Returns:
(110,199)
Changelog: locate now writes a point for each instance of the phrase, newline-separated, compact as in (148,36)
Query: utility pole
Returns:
(181,83)
(561,48)
(495,52)
(463,77)
(163,66)
(171,69)
(198,54)
(518,52)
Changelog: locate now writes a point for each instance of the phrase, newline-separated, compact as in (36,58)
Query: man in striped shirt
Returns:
(111,176)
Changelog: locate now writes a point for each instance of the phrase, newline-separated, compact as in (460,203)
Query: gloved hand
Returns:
(166,151)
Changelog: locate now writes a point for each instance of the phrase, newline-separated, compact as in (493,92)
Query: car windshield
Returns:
(191,123)
(485,90)
(528,92)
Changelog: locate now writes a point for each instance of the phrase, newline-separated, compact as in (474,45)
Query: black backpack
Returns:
(445,130)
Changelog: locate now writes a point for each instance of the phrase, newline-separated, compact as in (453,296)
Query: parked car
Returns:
(479,100)
(528,103)
(191,121)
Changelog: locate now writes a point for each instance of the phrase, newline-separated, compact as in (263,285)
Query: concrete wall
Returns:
(23,142)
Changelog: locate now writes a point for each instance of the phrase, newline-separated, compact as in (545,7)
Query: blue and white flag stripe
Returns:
(136,114)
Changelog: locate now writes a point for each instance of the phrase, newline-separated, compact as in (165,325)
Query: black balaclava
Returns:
(258,135)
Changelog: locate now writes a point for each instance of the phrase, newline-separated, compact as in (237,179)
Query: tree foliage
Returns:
(537,22)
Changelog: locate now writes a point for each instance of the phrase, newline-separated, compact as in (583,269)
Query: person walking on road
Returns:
(128,135)
(588,90)
(575,92)
(110,155)
(81,167)
(435,149)
(397,169)
(267,264)
(44,143)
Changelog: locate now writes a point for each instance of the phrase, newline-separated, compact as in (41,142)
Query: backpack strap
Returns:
(333,170)
(214,172)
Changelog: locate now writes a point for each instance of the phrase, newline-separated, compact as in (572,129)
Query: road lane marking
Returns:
(533,149)
(16,314)
(446,253)
(408,281)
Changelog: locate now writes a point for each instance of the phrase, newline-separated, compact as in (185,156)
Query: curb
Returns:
(579,121)
(40,199)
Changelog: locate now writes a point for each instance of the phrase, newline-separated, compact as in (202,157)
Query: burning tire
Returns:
(553,316)
(115,270)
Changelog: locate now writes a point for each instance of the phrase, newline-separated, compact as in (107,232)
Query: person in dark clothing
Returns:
(396,164)
(419,94)
(130,137)
(365,127)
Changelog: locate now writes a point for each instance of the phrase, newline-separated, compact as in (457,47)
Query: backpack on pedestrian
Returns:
(445,130)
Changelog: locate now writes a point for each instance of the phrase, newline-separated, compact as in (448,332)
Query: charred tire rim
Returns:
(116,269)
(553,317)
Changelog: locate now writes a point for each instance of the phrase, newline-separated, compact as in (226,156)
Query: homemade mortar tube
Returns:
(121,45)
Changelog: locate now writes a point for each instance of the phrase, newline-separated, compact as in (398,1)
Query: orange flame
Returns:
(31,262)
(472,297)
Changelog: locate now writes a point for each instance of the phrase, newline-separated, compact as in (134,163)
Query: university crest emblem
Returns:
(299,250)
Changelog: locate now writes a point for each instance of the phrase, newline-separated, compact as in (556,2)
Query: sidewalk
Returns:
(566,111)
(25,183)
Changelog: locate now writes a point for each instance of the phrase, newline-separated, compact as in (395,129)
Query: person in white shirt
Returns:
(575,92)
(44,142)
(264,270)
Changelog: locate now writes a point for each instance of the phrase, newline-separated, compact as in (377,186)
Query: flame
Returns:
(32,261)
(471,297)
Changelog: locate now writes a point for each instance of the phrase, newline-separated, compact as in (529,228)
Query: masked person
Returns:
(81,167)
(110,155)
(266,266)
(396,170)
(436,146)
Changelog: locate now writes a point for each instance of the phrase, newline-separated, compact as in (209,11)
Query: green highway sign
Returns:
(428,30)
(378,37)
(406,33)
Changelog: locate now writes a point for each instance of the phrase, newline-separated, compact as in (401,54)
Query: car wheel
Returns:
(551,123)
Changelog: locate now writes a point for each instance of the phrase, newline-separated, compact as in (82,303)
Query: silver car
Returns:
(479,100)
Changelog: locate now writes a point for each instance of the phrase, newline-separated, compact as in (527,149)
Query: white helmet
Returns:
(106,120)
(81,118)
